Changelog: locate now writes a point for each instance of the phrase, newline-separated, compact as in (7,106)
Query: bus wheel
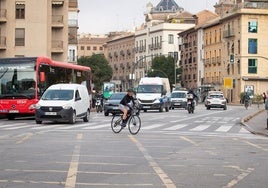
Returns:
(73,118)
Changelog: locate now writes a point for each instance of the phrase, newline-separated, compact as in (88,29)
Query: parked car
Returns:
(216,99)
(178,99)
(111,105)
(63,102)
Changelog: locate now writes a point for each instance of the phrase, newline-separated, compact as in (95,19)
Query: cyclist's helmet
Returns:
(130,90)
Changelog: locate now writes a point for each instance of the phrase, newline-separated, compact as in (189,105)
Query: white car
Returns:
(178,99)
(216,99)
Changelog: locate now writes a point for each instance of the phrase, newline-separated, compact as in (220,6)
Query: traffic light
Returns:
(231,58)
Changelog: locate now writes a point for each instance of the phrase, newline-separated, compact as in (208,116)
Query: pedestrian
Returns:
(264,97)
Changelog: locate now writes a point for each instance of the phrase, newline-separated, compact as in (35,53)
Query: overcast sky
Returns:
(104,16)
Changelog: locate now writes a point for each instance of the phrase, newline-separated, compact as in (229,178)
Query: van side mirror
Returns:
(77,98)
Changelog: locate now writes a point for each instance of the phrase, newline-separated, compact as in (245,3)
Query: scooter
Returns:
(98,105)
(190,103)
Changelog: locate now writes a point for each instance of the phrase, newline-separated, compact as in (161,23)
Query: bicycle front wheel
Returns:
(116,124)
(134,124)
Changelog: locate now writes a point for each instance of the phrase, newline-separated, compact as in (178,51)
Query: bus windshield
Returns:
(17,80)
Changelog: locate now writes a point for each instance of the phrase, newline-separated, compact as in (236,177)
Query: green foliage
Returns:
(163,67)
(101,70)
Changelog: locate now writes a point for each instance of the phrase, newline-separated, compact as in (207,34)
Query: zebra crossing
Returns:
(214,124)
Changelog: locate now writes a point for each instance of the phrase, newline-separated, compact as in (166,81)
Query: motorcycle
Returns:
(98,105)
(190,103)
(246,104)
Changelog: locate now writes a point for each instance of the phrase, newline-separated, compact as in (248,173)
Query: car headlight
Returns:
(35,106)
(66,107)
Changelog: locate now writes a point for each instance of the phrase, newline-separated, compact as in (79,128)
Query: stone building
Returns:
(34,28)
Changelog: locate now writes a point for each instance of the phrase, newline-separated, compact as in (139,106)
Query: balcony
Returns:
(219,59)
(228,33)
(57,46)
(3,45)
(207,61)
(73,23)
(213,60)
(73,4)
(3,15)
(57,21)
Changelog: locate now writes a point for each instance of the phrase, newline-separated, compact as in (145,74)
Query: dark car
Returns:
(111,105)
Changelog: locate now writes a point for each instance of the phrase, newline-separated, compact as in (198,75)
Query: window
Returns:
(82,47)
(252,26)
(88,47)
(252,66)
(101,48)
(94,47)
(20,10)
(170,39)
(19,37)
(252,46)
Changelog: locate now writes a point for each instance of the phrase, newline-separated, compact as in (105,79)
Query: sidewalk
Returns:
(256,123)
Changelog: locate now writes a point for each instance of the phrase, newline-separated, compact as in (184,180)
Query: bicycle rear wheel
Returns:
(134,124)
(116,124)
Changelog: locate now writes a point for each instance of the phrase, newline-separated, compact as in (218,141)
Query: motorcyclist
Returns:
(246,98)
(194,96)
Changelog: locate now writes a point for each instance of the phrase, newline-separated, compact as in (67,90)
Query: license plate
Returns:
(177,103)
(146,107)
(13,111)
(51,113)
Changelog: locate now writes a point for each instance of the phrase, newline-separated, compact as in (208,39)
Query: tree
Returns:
(163,67)
(100,68)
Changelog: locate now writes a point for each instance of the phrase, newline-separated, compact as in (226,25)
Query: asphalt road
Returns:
(173,149)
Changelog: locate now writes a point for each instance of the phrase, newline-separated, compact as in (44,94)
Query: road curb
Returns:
(244,121)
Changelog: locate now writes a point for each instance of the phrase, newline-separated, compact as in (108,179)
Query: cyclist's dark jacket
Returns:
(127,100)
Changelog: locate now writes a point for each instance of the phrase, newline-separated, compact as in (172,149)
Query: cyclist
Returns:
(126,104)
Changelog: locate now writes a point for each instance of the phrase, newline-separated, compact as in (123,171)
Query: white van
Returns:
(153,93)
(63,102)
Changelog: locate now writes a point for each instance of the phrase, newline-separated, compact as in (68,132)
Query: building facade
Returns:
(91,44)
(121,55)
(159,36)
(73,31)
(245,28)
(34,28)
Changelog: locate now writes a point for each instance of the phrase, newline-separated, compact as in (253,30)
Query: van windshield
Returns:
(150,89)
(58,95)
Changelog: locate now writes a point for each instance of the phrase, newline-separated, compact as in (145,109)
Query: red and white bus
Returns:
(23,80)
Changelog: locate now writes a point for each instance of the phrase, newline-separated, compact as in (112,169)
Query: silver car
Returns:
(215,99)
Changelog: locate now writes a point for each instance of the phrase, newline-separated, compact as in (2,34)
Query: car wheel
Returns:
(38,121)
(86,118)
(145,110)
(106,113)
(208,108)
(161,109)
(225,108)
(73,118)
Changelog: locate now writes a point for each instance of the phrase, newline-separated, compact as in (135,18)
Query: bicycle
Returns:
(133,121)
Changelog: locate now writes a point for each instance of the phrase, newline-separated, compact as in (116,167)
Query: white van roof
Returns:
(65,86)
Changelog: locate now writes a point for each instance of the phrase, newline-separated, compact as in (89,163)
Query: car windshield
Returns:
(178,95)
(216,96)
(58,95)
(117,96)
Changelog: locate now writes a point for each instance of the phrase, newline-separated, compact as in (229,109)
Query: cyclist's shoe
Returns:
(124,123)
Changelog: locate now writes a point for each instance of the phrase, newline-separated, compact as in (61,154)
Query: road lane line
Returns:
(176,127)
(224,128)
(188,140)
(73,168)
(28,136)
(200,128)
(162,175)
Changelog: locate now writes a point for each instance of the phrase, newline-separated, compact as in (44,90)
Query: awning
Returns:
(20,2)
(60,2)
